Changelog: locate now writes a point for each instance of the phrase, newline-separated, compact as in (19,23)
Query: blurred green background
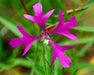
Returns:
(82,56)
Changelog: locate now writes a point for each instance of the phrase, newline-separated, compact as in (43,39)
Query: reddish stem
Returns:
(22,2)
(24,6)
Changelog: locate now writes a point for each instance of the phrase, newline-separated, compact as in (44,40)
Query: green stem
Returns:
(75,72)
(39,1)
(44,60)
(24,6)
(0,44)
(62,73)
(22,2)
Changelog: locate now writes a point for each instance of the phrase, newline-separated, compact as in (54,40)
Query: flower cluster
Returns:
(62,28)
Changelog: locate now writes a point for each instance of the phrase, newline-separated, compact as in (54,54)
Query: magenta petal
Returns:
(32,18)
(22,31)
(47,15)
(15,42)
(38,10)
(61,19)
(63,48)
(25,40)
(27,48)
(58,51)
(68,34)
(65,33)
(72,22)
(36,20)
(63,28)
(53,58)
(64,59)
(39,18)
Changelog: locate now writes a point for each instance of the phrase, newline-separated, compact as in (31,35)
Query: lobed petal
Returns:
(39,18)
(32,18)
(64,59)
(53,59)
(25,40)
(15,42)
(58,52)
(47,15)
(28,45)
(72,22)
(66,33)
(38,10)
(62,28)
(61,20)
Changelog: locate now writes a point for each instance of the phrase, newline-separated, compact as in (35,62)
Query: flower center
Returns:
(46,41)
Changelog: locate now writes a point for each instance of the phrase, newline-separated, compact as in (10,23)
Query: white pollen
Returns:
(46,41)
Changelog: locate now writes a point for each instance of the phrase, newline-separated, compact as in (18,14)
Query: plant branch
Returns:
(24,6)
(22,2)
(76,10)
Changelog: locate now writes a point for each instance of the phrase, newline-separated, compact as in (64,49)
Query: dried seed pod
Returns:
(51,27)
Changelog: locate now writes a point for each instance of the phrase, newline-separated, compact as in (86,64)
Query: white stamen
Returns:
(46,41)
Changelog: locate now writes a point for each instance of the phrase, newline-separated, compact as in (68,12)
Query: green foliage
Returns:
(86,29)
(74,73)
(73,6)
(14,54)
(84,49)
(63,9)
(56,68)
(79,41)
(80,13)
(81,66)
(1,45)
(10,26)
(91,1)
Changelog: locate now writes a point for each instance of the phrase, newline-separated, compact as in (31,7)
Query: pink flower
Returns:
(62,28)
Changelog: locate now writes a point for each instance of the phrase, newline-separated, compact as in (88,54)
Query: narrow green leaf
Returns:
(83,10)
(36,65)
(74,73)
(63,9)
(4,30)
(73,6)
(32,71)
(10,26)
(91,1)
(56,68)
(84,49)
(80,13)
(79,41)
(62,72)
(87,29)
(82,65)
(1,45)
(16,62)
(14,54)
